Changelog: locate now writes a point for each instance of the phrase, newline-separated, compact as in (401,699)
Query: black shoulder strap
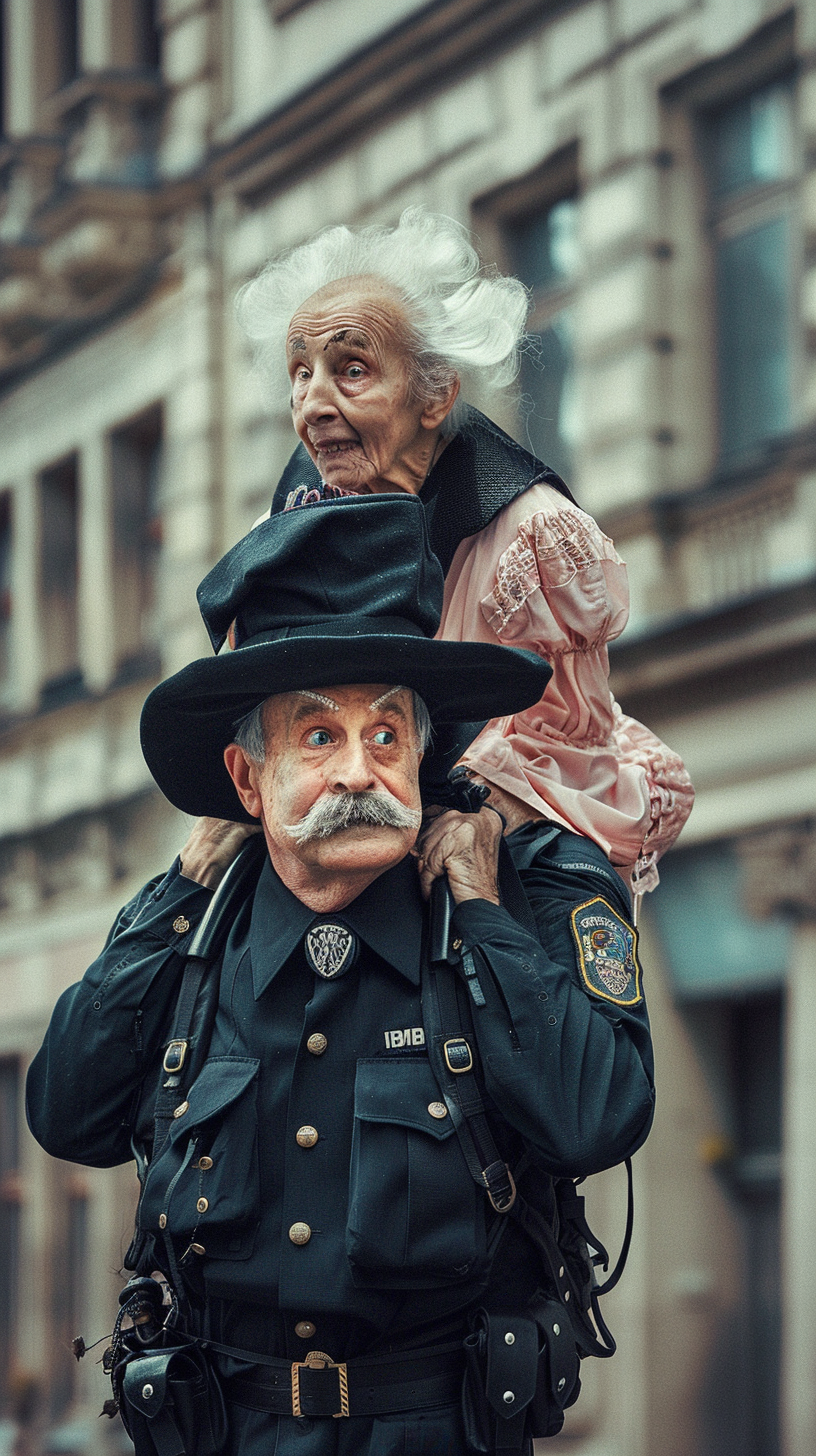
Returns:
(197,1002)
(452,1048)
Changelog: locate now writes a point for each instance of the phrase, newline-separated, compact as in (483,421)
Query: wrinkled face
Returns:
(321,748)
(351,403)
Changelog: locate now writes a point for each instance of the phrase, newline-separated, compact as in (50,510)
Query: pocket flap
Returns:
(221,1082)
(400,1090)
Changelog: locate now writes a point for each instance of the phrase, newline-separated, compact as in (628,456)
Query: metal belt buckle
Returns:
(316,1360)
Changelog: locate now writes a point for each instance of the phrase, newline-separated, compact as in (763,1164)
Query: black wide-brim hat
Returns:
(329,594)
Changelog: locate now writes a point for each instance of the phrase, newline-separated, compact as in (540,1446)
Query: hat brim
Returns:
(188,720)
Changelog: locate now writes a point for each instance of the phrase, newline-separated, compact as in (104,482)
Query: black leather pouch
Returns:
(171,1402)
(520,1375)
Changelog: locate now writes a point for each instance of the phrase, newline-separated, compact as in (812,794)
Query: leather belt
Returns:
(383,1385)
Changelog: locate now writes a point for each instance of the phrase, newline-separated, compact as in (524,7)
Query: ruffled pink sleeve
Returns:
(543,576)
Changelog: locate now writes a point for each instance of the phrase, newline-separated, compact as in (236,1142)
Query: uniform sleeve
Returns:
(83,1086)
(563,1033)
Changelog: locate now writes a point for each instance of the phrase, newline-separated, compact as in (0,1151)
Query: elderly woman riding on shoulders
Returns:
(384,339)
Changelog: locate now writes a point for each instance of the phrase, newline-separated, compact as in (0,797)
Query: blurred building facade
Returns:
(647,167)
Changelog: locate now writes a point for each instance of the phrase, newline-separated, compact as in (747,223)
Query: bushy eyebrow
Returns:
(349,336)
(321,698)
(297,344)
(383,698)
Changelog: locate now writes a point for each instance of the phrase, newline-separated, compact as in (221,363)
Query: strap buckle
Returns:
(458,1056)
(317,1360)
(505,1195)
(175,1056)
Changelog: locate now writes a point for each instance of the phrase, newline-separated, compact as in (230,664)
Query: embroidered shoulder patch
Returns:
(607,953)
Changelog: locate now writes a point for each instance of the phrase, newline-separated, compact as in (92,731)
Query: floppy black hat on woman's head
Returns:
(344,591)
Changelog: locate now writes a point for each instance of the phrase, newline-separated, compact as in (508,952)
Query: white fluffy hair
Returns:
(466,322)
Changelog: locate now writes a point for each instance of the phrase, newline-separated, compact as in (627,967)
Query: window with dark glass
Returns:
(544,254)
(69,1284)
(59,571)
(66,38)
(135,469)
(3,81)
(5,584)
(147,33)
(751,164)
(9,1215)
(727,970)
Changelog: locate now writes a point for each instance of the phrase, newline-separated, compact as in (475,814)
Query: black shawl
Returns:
(481,470)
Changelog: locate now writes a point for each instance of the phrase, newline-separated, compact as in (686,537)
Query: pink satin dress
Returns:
(543,576)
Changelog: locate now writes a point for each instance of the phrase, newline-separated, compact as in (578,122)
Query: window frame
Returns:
(494,214)
(737,215)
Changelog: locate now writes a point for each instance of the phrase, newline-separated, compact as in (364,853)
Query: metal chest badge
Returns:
(607,953)
(331,948)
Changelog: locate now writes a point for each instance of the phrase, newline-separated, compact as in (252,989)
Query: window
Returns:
(59,571)
(728,971)
(3,81)
(66,41)
(739,1042)
(721,948)
(750,158)
(136,39)
(135,469)
(69,1285)
(543,249)
(148,34)
(5,585)
(9,1215)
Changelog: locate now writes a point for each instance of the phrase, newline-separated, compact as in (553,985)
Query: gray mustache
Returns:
(335,812)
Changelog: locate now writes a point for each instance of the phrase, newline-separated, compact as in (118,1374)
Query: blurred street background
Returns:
(647,168)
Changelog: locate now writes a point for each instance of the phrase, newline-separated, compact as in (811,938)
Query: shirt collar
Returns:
(387,916)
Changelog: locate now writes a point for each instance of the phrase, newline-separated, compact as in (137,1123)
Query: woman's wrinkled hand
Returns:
(211,848)
(465,847)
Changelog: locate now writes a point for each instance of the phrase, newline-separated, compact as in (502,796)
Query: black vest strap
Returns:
(198,997)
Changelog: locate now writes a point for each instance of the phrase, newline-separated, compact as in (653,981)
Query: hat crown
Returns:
(314,566)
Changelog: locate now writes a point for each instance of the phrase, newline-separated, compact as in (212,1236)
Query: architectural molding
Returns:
(780,871)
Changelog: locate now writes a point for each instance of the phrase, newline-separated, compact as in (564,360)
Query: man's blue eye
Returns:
(319,738)
(384,737)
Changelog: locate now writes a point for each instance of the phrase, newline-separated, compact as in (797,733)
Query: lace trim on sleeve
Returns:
(516,580)
(547,553)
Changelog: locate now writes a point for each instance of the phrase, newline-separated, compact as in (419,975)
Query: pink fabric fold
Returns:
(543,576)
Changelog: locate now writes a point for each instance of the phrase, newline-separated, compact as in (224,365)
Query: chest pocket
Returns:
(415,1219)
(205,1182)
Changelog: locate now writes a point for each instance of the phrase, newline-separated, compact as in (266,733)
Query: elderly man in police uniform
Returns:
(332,1198)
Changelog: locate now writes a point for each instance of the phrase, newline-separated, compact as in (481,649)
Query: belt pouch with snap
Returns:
(171,1403)
(502,1359)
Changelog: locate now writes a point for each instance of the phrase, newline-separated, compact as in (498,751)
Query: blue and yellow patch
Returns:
(607,953)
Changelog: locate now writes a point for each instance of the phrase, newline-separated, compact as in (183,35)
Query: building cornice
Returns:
(76,249)
(426,49)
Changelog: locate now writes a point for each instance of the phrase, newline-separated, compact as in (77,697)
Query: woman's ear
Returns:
(438,408)
(244,775)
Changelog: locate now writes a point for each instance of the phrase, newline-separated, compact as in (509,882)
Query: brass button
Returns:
(306,1137)
(300,1233)
(181,1109)
(316,1044)
(162,1220)
(205,1163)
(457,944)
(203,1204)
(181,924)
(304,1329)
(198,1248)
(437,1109)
